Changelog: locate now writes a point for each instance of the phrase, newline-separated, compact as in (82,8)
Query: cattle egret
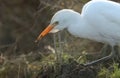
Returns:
(98,21)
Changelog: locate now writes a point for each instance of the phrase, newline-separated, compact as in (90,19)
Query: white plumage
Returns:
(99,21)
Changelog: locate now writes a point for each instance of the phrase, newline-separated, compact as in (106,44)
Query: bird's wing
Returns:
(104,16)
(112,15)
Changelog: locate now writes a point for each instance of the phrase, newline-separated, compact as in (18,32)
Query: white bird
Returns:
(98,21)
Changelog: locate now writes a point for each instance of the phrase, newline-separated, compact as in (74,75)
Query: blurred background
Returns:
(21,21)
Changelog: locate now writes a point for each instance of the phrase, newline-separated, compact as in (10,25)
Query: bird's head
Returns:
(59,21)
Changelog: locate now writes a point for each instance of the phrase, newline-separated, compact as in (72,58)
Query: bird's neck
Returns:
(80,28)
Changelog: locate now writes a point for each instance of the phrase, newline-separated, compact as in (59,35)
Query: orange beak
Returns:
(46,31)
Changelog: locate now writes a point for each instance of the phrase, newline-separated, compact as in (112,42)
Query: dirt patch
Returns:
(68,70)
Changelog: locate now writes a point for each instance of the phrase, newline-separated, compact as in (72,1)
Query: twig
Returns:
(56,53)
(19,71)
(60,47)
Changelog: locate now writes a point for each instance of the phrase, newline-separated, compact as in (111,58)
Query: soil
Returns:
(69,70)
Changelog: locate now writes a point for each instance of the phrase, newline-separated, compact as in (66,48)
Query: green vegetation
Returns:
(112,72)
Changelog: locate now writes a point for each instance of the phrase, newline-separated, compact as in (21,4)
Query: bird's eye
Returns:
(56,23)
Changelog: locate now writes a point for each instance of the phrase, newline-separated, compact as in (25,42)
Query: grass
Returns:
(112,72)
(48,67)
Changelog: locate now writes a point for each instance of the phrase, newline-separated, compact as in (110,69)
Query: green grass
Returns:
(113,72)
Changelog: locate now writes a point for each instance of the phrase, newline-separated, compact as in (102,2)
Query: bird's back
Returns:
(104,16)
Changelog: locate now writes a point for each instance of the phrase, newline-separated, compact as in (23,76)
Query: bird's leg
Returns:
(112,54)
(103,52)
